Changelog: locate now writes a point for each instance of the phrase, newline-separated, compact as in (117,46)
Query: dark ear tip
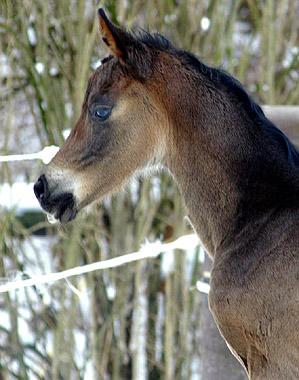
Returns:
(102,13)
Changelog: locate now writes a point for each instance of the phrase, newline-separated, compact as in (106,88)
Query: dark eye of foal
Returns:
(101,113)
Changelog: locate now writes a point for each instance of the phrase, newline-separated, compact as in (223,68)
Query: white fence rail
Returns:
(149,250)
(45,155)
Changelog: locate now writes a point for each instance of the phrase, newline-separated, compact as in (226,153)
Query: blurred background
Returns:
(144,320)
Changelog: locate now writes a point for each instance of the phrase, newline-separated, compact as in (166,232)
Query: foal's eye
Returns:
(102,112)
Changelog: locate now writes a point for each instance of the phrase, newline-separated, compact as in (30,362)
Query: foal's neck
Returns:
(223,168)
(211,195)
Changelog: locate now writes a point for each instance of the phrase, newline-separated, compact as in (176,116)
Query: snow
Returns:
(20,196)
(205,23)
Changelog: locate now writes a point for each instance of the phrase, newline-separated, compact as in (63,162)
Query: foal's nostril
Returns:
(40,188)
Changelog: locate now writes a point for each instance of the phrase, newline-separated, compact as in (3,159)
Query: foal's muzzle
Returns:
(61,206)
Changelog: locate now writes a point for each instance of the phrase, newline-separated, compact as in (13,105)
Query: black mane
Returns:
(233,86)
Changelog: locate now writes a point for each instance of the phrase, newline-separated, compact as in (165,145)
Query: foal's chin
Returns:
(63,216)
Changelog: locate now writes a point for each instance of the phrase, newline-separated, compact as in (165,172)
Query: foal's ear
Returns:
(114,37)
(129,51)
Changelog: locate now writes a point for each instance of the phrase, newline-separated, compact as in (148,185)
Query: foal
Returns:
(149,103)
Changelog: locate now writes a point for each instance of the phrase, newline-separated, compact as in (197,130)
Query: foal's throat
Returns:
(211,205)
(210,189)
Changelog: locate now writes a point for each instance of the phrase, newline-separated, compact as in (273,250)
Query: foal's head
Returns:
(122,128)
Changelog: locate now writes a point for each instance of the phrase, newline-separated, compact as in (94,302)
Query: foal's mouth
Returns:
(60,207)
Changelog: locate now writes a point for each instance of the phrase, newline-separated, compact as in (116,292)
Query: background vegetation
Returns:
(143,315)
